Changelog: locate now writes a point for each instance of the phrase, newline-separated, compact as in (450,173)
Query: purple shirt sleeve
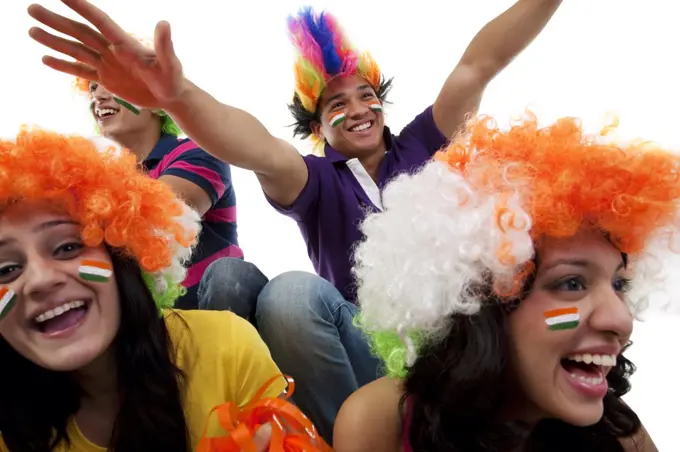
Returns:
(307,200)
(424,130)
(202,169)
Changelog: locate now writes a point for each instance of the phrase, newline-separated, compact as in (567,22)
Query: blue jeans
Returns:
(230,284)
(307,325)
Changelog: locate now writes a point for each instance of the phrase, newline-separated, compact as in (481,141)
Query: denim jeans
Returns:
(230,284)
(307,325)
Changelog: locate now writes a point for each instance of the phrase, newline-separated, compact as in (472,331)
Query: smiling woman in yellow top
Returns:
(90,250)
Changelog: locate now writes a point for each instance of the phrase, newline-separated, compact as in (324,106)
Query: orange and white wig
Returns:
(474,213)
(102,187)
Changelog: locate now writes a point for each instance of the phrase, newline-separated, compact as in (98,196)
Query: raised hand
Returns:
(110,56)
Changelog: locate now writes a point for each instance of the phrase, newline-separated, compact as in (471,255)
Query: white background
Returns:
(593,58)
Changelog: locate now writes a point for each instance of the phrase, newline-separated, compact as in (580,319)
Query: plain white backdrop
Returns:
(594,58)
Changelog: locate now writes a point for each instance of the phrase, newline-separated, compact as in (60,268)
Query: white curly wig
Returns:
(471,216)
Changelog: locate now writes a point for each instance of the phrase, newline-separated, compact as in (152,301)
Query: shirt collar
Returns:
(165,144)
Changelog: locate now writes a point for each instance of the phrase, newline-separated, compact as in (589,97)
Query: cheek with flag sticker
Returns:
(337,118)
(376,106)
(562,319)
(95,271)
(133,108)
(7,300)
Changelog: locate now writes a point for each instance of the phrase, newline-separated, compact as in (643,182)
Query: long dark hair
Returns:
(36,404)
(457,387)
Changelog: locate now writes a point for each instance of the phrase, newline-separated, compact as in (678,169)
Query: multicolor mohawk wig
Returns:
(168,126)
(324,52)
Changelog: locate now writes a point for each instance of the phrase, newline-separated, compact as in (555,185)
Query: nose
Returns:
(42,277)
(356,108)
(611,314)
(100,93)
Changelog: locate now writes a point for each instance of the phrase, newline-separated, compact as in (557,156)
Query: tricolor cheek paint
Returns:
(337,118)
(562,319)
(127,105)
(376,106)
(95,271)
(7,300)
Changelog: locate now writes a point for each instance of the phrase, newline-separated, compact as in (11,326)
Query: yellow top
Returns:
(224,360)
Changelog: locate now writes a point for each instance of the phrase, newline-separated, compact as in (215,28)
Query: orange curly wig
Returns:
(107,193)
(568,178)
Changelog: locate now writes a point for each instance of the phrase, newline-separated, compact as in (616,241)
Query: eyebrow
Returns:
(42,227)
(53,223)
(343,94)
(577,263)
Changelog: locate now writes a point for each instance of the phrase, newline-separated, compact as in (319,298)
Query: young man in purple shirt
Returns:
(305,319)
(204,182)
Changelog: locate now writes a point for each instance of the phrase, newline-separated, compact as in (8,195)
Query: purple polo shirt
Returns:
(339,193)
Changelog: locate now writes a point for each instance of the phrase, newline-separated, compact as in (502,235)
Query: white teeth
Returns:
(361,127)
(104,112)
(59,310)
(598,360)
(590,380)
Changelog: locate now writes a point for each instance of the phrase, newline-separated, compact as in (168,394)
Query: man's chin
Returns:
(108,131)
(367,144)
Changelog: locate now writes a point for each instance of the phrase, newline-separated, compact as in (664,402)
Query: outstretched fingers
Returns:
(82,32)
(73,68)
(101,21)
(73,49)
(165,51)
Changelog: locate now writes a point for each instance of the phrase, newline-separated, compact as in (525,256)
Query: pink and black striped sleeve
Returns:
(192,163)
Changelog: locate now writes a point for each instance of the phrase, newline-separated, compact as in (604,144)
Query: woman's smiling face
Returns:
(566,335)
(61,304)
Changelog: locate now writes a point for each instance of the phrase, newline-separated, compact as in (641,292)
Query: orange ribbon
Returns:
(292,431)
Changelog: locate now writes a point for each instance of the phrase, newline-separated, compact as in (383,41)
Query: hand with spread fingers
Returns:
(107,54)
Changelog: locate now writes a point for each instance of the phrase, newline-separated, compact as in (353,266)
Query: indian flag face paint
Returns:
(337,118)
(376,106)
(562,319)
(7,300)
(127,105)
(95,271)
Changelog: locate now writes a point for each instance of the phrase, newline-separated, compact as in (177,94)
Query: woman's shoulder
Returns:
(211,335)
(207,325)
(373,413)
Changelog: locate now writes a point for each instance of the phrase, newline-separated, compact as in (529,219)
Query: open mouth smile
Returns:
(61,319)
(587,372)
(361,127)
(103,113)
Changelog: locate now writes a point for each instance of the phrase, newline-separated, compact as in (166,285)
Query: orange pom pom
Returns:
(292,431)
